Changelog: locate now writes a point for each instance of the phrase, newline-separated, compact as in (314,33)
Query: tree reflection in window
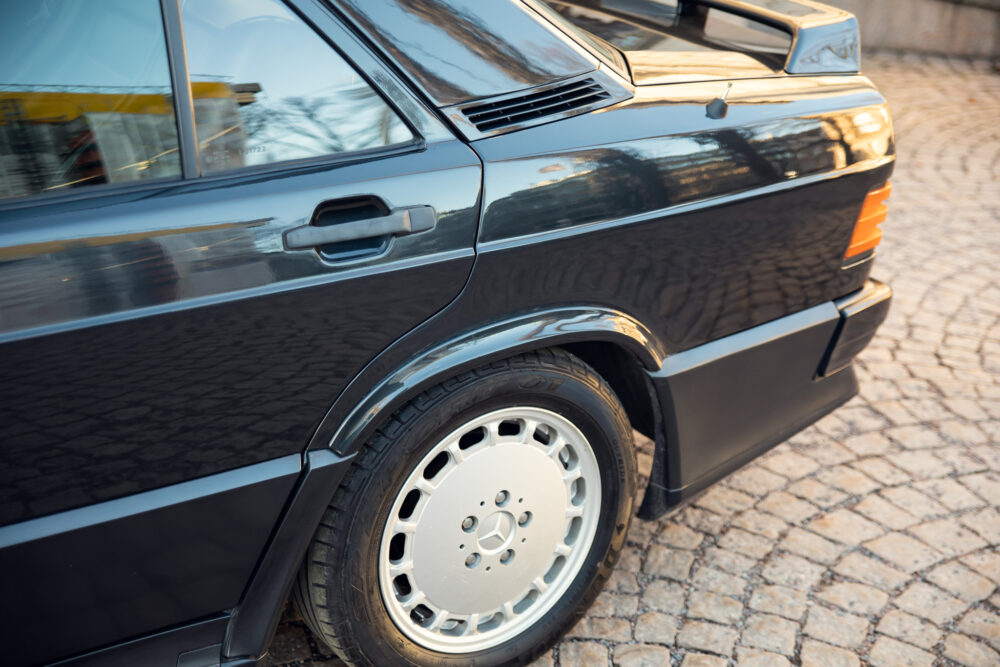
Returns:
(267,88)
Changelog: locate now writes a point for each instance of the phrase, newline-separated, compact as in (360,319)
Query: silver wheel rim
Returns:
(489,530)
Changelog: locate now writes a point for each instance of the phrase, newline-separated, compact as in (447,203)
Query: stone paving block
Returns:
(789,464)
(888,652)
(746,543)
(787,507)
(752,657)
(663,596)
(631,559)
(914,502)
(985,563)
(904,552)
(968,652)
(922,464)
(728,561)
(916,436)
(988,453)
(792,571)
(656,628)
(702,520)
(847,480)
(811,546)
(547,659)
(641,655)
(583,653)
(962,460)
(962,582)
(765,525)
(709,637)
(986,485)
(855,598)
(949,493)
(881,470)
(702,660)
(670,563)
(884,513)
(929,602)
(725,501)
(816,493)
(834,627)
(771,633)
(909,628)
(870,444)
(986,523)
(948,537)
(717,581)
(846,527)
(962,432)
(623,582)
(714,607)
(818,654)
(822,449)
(609,603)
(756,480)
(610,629)
(780,600)
(679,536)
(983,624)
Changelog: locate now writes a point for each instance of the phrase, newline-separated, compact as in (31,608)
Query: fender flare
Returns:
(483,345)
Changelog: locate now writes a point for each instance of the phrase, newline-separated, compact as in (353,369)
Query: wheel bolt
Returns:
(502,498)
(471,561)
(524,519)
(506,556)
(469,523)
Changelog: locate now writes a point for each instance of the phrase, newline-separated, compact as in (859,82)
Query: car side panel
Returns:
(698,228)
(154,341)
(116,570)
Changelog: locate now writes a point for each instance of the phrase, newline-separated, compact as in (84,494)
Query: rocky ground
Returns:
(874,536)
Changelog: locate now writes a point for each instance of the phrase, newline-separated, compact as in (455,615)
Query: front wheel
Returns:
(479,523)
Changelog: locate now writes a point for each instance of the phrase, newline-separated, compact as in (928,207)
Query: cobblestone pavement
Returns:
(874,536)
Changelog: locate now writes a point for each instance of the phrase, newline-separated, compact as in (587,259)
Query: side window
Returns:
(85,95)
(267,88)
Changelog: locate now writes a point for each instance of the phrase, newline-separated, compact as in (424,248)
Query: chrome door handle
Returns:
(400,222)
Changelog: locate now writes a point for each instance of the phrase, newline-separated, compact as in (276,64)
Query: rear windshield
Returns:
(657,25)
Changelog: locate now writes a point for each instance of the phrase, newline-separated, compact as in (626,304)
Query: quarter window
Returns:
(267,88)
(85,95)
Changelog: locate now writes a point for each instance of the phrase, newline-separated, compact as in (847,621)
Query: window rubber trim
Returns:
(187,137)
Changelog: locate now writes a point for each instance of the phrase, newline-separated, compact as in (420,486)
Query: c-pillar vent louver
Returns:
(531,107)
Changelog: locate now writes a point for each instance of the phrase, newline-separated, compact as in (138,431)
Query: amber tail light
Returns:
(867,233)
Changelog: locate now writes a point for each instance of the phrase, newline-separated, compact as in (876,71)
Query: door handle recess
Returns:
(400,222)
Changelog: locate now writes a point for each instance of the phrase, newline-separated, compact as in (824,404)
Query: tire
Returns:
(455,452)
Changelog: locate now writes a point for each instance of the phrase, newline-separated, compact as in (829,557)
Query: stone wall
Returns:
(952,27)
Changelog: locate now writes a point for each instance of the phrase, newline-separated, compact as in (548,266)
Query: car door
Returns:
(213,214)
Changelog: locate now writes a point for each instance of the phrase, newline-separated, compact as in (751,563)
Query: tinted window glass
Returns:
(85,95)
(267,88)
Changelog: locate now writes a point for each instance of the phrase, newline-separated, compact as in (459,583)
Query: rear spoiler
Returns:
(825,40)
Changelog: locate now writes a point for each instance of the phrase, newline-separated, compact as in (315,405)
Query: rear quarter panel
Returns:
(698,228)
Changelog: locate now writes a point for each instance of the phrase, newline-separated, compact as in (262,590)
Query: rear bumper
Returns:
(724,403)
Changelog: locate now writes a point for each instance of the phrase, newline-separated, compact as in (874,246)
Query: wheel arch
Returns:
(616,345)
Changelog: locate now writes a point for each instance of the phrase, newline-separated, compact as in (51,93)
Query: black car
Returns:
(358,302)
